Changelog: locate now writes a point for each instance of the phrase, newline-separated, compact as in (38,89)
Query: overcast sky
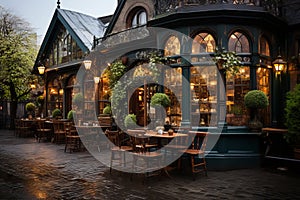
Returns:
(40,12)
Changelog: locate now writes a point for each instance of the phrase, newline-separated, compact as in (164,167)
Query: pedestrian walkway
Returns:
(32,170)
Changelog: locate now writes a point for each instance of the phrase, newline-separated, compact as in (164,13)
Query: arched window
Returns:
(264,48)
(139,18)
(238,43)
(203,42)
(172,46)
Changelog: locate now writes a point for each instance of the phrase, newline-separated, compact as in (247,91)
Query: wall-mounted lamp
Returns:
(41,69)
(96,79)
(33,86)
(279,64)
(87,64)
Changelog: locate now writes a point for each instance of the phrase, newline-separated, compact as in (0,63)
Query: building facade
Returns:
(258,31)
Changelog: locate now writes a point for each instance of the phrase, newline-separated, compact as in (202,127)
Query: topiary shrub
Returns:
(107,110)
(56,113)
(78,99)
(30,107)
(292,114)
(256,99)
(70,115)
(160,99)
(41,99)
(130,121)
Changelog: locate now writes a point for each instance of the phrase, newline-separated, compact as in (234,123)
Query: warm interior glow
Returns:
(41,69)
(61,91)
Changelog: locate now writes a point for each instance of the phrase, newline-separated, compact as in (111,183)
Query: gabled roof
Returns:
(83,28)
(115,17)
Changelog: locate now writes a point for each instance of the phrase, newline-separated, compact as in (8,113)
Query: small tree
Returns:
(254,100)
(17,54)
(292,114)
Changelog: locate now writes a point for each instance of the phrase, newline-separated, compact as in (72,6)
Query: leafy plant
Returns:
(160,99)
(41,99)
(130,121)
(18,52)
(78,99)
(56,113)
(70,115)
(256,99)
(292,114)
(107,110)
(30,107)
(115,71)
(228,60)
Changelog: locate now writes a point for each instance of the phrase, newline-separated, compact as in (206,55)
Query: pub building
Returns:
(260,32)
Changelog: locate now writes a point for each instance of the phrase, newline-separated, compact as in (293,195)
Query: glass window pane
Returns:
(236,88)
(238,43)
(142,18)
(172,46)
(264,48)
(203,84)
(203,42)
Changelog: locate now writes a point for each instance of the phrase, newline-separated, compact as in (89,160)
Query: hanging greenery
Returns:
(115,71)
(119,90)
(227,60)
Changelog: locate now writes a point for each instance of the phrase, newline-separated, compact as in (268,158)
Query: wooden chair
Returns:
(178,145)
(59,131)
(73,142)
(118,149)
(42,132)
(196,152)
(17,127)
(142,143)
(144,161)
(24,130)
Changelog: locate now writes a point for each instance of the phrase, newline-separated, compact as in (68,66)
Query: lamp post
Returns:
(87,64)
(279,65)
(41,69)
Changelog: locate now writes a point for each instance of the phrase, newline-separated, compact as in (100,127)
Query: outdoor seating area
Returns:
(56,131)
(151,152)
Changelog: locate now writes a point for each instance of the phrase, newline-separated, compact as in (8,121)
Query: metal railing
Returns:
(169,6)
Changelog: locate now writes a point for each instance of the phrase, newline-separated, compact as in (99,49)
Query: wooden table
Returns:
(165,135)
(271,136)
(159,137)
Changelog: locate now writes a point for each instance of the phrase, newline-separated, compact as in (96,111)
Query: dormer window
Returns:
(137,17)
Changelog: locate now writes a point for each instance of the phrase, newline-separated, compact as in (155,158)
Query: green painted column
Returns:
(186,97)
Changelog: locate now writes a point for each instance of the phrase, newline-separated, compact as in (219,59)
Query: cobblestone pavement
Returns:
(32,170)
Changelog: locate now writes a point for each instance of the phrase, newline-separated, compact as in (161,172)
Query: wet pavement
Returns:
(32,170)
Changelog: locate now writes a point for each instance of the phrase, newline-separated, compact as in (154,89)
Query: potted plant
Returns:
(157,100)
(255,100)
(30,107)
(292,115)
(70,115)
(107,110)
(78,99)
(56,113)
(130,121)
